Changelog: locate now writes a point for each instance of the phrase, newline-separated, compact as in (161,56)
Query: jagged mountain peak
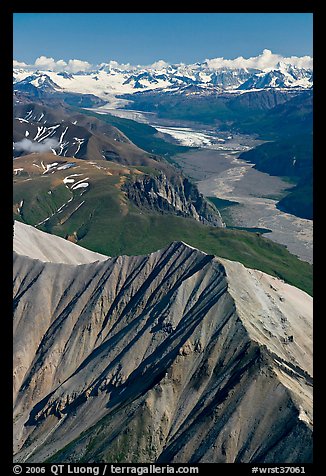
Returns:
(117,339)
(126,79)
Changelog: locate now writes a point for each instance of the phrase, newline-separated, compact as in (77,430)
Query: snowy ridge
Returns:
(111,79)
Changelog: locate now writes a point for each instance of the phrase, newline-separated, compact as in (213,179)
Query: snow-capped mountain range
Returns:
(111,79)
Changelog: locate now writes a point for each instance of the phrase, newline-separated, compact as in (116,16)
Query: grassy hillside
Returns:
(102,219)
(141,234)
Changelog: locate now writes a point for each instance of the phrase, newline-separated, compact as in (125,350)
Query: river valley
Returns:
(213,163)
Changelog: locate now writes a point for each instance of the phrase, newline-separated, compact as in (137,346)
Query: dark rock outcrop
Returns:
(176,195)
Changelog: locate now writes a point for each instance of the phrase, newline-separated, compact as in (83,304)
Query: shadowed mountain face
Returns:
(177,356)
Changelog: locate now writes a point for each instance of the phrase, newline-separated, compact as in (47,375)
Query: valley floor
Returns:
(223,175)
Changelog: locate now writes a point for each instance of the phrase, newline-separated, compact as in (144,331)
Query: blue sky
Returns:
(142,38)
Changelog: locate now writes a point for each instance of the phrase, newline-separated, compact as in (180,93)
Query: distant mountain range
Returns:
(198,79)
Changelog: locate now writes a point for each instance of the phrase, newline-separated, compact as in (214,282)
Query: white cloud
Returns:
(27,145)
(19,64)
(42,62)
(50,64)
(160,64)
(266,60)
(300,62)
(75,65)
(61,64)
(121,66)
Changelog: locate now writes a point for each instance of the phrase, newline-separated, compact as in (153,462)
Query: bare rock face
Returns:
(177,356)
(177,196)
